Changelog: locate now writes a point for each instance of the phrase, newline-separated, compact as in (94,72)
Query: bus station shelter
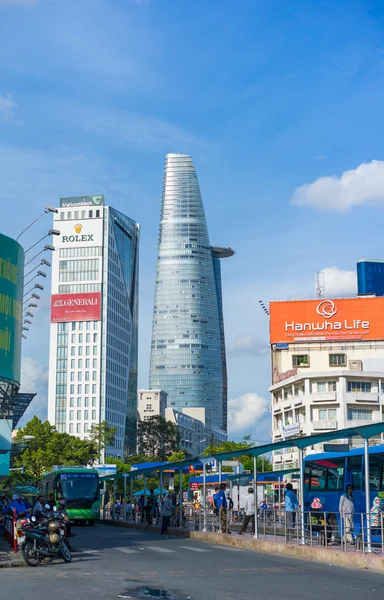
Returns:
(365,432)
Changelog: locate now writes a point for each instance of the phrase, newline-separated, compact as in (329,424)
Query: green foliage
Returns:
(16,478)
(177,456)
(158,437)
(102,435)
(49,448)
(263,463)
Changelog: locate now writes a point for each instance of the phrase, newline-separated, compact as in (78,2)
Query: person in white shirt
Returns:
(249,512)
(167,511)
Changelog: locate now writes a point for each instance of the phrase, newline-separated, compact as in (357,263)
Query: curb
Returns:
(352,560)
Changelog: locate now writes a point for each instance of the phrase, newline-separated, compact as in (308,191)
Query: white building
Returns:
(327,368)
(94,321)
(151,403)
(196,431)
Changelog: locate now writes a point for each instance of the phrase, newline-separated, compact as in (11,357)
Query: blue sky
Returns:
(267,96)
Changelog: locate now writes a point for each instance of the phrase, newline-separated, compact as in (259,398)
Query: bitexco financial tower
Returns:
(188,358)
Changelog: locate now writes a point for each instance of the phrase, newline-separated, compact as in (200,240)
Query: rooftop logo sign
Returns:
(326,309)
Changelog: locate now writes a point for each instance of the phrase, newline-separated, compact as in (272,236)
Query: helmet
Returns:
(54,538)
(53,527)
(62,504)
(250,490)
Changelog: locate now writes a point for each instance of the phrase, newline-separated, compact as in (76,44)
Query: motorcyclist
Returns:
(62,512)
(15,505)
(39,509)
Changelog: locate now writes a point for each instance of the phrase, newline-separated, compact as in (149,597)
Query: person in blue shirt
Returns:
(290,504)
(23,500)
(221,505)
(15,505)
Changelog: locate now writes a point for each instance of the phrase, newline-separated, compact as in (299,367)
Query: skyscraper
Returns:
(94,321)
(370,277)
(188,346)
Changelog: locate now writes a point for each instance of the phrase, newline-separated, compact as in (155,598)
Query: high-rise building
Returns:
(370,277)
(188,346)
(94,321)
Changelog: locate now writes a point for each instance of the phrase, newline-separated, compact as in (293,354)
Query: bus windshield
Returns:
(80,486)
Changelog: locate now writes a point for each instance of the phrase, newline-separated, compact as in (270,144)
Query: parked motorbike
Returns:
(45,539)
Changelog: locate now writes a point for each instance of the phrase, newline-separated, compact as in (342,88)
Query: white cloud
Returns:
(245,413)
(356,187)
(249,344)
(34,379)
(7,105)
(339,282)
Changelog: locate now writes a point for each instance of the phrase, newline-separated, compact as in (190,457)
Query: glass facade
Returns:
(188,349)
(370,277)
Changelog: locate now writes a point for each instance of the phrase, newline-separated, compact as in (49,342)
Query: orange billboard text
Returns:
(327,320)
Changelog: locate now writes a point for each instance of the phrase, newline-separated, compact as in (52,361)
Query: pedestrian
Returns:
(375,515)
(166,513)
(141,504)
(347,512)
(290,504)
(150,506)
(249,512)
(221,505)
(51,501)
(24,501)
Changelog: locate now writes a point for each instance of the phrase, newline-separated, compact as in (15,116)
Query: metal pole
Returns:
(301,461)
(367,496)
(181,499)
(125,499)
(205,496)
(273,512)
(114,498)
(145,489)
(256,534)
(131,498)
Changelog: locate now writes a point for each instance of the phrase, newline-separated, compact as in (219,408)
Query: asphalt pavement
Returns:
(112,562)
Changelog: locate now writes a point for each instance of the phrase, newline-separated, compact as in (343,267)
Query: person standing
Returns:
(221,505)
(347,512)
(249,512)
(291,505)
(166,513)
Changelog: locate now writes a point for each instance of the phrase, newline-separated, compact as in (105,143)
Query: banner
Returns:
(327,320)
(75,307)
(11,302)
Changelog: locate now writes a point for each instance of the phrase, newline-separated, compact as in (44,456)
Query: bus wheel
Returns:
(91,522)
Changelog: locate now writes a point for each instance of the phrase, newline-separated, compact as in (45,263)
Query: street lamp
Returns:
(37,286)
(27,321)
(38,274)
(50,232)
(46,247)
(42,262)
(47,209)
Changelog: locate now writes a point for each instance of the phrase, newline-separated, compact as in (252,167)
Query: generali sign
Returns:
(327,320)
(75,307)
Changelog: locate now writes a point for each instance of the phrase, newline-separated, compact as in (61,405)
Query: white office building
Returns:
(94,321)
(327,369)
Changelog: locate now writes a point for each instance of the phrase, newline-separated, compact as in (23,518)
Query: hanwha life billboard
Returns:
(327,320)
(75,307)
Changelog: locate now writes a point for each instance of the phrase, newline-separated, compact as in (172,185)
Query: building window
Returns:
(337,360)
(71,415)
(78,428)
(72,376)
(299,389)
(93,415)
(85,415)
(94,350)
(80,363)
(80,351)
(85,427)
(359,386)
(86,388)
(94,401)
(332,386)
(72,389)
(79,415)
(71,428)
(95,363)
(74,326)
(94,375)
(87,350)
(300,360)
(79,389)
(359,414)
(86,401)
(287,393)
(73,351)
(94,388)
(71,402)
(88,338)
(78,402)
(327,414)
(86,375)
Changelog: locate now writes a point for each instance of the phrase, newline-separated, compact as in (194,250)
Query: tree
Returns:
(177,456)
(158,437)
(263,463)
(47,447)
(102,435)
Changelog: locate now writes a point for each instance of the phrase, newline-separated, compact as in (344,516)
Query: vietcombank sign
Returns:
(11,301)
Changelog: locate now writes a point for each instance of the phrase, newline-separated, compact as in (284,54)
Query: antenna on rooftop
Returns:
(320,287)
(265,309)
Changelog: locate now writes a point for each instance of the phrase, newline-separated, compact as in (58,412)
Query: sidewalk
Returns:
(8,558)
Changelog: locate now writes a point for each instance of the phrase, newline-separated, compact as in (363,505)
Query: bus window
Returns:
(376,464)
(356,479)
(335,479)
(317,480)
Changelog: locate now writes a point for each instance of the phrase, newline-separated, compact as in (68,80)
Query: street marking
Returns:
(230,548)
(159,549)
(127,550)
(87,551)
(194,549)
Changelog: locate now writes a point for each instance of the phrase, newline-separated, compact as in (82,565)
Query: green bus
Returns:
(80,488)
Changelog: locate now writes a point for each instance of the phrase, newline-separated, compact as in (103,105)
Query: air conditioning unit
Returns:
(355,365)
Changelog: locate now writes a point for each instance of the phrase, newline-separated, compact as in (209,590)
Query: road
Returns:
(113,561)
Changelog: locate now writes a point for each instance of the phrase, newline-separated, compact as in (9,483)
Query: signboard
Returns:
(75,307)
(291,430)
(5,446)
(11,303)
(194,486)
(336,447)
(78,201)
(104,470)
(80,233)
(327,320)
(230,463)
